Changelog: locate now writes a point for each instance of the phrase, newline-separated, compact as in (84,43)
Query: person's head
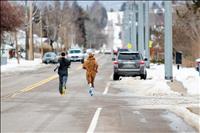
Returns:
(62,54)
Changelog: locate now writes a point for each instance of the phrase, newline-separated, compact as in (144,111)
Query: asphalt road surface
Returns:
(30,102)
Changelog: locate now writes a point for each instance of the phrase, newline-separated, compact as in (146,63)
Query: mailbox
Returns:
(179,57)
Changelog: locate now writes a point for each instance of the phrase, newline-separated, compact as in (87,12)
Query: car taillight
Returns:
(142,62)
(115,62)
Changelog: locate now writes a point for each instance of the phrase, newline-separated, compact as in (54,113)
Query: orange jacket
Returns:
(91,67)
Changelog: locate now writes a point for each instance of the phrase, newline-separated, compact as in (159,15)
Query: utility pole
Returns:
(127,32)
(168,40)
(134,30)
(147,33)
(129,23)
(141,28)
(31,53)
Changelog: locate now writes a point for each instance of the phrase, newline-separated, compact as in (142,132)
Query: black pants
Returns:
(62,82)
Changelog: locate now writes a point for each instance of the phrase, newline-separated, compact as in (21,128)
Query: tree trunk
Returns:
(31,49)
(17,48)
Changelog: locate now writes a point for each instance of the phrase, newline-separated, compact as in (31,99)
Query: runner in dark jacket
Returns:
(63,65)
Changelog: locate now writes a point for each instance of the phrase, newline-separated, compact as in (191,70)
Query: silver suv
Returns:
(129,64)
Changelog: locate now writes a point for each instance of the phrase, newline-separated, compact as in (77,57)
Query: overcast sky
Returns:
(109,4)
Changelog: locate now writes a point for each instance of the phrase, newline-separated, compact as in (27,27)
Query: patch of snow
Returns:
(25,65)
(189,117)
(145,87)
(176,123)
(190,79)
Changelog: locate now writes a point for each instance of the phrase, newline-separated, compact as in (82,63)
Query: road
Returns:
(29,106)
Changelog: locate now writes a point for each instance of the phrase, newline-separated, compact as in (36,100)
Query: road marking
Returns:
(94,121)
(106,89)
(39,83)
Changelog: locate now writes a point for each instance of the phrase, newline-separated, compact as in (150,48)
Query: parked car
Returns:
(129,64)
(197,64)
(76,54)
(50,57)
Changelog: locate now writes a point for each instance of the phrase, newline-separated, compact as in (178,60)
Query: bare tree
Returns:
(11,17)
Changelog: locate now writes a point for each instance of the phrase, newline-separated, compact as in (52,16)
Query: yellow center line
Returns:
(39,83)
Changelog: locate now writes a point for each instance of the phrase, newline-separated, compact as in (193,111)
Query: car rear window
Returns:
(122,50)
(49,55)
(129,56)
(74,51)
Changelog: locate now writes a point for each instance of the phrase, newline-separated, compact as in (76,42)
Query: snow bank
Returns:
(144,87)
(190,79)
(24,65)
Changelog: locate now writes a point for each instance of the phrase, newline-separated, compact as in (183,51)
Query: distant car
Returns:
(76,54)
(50,57)
(107,51)
(197,64)
(129,64)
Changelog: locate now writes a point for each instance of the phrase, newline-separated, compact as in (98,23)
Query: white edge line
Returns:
(106,89)
(94,121)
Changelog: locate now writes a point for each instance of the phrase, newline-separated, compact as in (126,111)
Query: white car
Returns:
(108,51)
(76,54)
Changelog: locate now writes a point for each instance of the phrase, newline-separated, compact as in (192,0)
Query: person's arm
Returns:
(57,65)
(68,63)
(84,65)
(96,66)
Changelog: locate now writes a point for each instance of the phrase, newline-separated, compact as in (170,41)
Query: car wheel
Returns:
(115,76)
(143,76)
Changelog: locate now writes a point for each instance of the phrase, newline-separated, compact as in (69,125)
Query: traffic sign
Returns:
(129,46)
(150,44)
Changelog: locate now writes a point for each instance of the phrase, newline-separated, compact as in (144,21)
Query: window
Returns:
(74,51)
(129,56)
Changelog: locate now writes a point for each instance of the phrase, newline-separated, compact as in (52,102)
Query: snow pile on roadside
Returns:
(25,65)
(190,79)
(144,87)
(190,118)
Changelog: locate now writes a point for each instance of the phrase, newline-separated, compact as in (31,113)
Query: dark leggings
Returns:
(62,82)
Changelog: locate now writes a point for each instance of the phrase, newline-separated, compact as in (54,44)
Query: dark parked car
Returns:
(129,64)
(50,57)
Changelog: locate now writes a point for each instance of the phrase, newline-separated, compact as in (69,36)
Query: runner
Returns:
(91,66)
(63,65)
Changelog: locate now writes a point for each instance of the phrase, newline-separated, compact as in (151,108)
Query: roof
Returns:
(123,52)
